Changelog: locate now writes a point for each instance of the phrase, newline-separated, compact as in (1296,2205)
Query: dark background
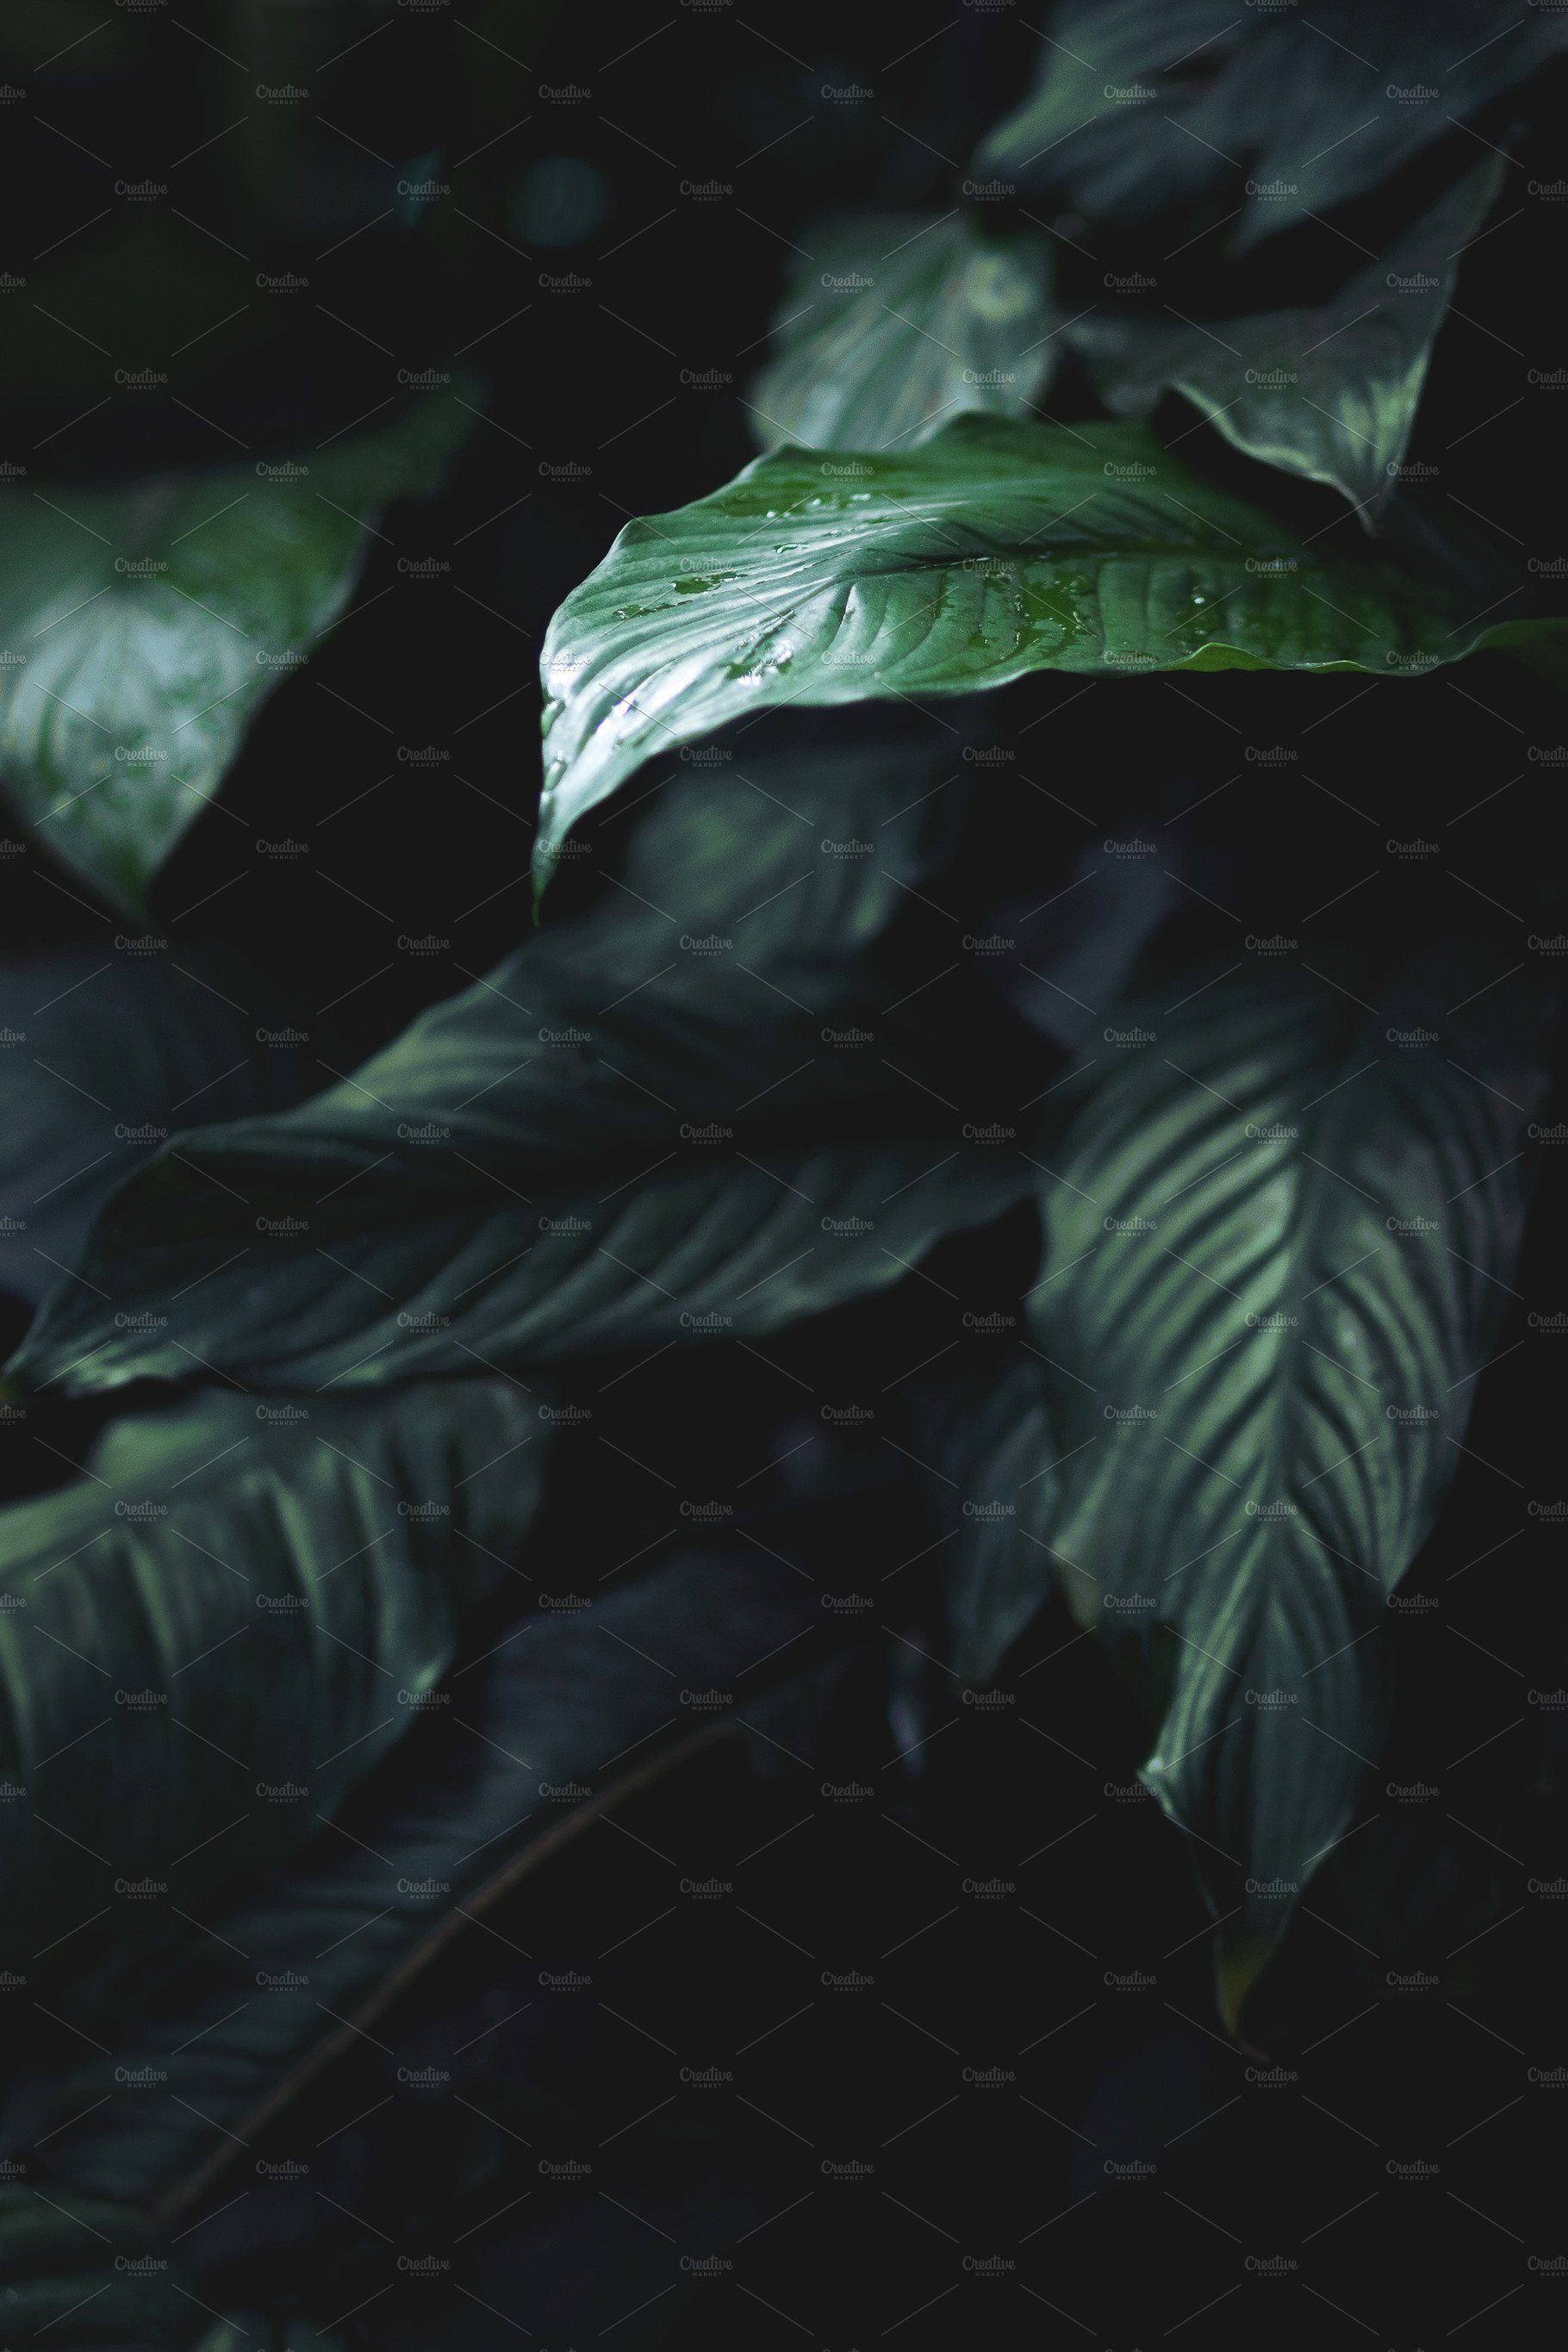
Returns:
(1131,2173)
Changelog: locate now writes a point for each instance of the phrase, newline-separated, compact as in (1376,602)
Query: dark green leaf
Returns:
(142,627)
(686,1113)
(104,1055)
(559,1720)
(1141,103)
(94,2273)
(90,2270)
(1281,1231)
(992,1445)
(207,1640)
(1331,392)
(897,324)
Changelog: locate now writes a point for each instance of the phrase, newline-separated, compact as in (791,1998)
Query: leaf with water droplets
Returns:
(998,547)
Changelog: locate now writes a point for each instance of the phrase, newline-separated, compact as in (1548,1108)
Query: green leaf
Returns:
(1281,1229)
(547,1731)
(102,1056)
(991,1442)
(1141,104)
(729,1251)
(142,627)
(208,1639)
(1329,392)
(690,1112)
(898,324)
(1105,122)
(998,549)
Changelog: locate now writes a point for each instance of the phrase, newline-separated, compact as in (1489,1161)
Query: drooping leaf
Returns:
(559,1720)
(1280,115)
(206,1640)
(1280,1230)
(706,1114)
(998,549)
(726,1251)
(142,627)
(897,324)
(1329,393)
(104,1055)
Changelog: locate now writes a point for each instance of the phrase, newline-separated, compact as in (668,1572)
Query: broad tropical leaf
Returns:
(208,1639)
(1280,1234)
(900,323)
(1279,115)
(702,1115)
(141,628)
(1329,393)
(717,1252)
(998,549)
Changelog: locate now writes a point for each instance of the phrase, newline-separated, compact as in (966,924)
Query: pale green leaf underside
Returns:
(998,549)
(140,629)
(899,323)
